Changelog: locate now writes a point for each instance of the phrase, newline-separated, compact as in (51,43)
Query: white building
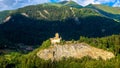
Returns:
(56,39)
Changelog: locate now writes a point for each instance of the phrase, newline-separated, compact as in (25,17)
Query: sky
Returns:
(14,4)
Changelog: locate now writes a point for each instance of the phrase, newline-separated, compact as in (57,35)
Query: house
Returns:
(56,39)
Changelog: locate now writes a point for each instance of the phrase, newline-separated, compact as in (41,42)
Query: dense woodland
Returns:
(93,27)
(33,30)
(110,43)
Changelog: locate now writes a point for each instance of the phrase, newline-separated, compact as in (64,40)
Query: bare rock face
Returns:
(24,14)
(7,19)
(79,50)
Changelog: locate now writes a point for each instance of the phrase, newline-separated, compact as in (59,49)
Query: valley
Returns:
(90,36)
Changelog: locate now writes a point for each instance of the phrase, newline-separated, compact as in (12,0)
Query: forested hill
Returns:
(110,12)
(52,12)
(25,29)
(32,25)
(70,4)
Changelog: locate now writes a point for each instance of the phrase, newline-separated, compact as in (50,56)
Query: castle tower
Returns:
(56,35)
(56,39)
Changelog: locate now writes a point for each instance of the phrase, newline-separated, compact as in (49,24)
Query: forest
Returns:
(30,60)
(88,24)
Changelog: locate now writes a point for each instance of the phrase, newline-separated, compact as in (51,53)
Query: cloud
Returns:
(13,4)
(117,4)
(104,1)
(86,2)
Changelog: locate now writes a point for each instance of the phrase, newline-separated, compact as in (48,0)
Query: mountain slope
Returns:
(113,10)
(110,12)
(26,28)
(70,4)
(4,14)
(32,25)
(52,12)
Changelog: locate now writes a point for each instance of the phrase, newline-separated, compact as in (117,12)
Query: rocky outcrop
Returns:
(78,50)
(7,19)
(24,14)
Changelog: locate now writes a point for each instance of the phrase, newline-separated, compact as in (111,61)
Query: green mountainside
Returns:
(110,12)
(113,10)
(70,4)
(3,15)
(27,28)
(33,24)
(64,3)
(31,60)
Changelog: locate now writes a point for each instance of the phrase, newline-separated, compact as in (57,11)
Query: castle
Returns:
(56,39)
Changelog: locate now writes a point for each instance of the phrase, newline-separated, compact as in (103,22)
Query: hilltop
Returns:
(86,52)
(79,50)
(70,4)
